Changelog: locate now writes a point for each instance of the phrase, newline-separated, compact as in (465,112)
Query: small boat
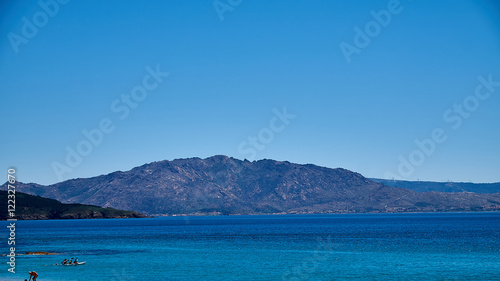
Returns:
(79,263)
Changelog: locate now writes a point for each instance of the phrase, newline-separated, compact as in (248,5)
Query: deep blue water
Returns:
(443,246)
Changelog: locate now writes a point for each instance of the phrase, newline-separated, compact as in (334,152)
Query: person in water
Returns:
(33,274)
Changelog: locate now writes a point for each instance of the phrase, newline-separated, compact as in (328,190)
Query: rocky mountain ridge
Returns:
(224,185)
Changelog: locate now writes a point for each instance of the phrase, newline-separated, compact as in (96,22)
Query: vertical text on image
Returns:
(11,209)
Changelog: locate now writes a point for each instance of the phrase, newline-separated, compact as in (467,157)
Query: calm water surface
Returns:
(443,246)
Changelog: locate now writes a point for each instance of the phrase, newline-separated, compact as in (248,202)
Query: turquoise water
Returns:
(444,246)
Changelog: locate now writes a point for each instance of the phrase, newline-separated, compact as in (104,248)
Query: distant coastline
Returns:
(29,207)
(222,185)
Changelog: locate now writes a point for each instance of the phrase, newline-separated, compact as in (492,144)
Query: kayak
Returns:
(80,263)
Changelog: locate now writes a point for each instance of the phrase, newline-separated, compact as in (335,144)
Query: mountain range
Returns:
(221,185)
(425,186)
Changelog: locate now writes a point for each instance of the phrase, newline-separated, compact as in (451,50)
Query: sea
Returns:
(423,246)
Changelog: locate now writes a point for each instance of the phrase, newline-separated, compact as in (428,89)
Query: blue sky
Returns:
(234,67)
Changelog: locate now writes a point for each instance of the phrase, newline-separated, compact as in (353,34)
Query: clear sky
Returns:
(351,84)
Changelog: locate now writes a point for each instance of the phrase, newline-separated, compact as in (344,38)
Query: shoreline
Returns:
(271,215)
